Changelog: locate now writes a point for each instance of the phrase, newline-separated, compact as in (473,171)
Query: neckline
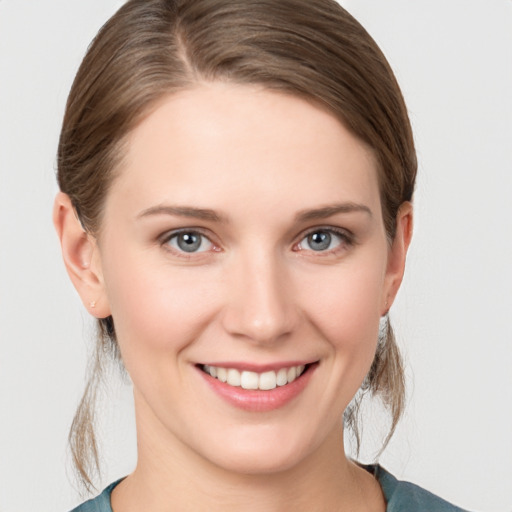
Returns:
(386,481)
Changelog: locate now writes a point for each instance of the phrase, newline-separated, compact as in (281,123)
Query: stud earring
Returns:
(92,304)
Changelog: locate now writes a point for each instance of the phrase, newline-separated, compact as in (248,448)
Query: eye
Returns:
(323,240)
(189,242)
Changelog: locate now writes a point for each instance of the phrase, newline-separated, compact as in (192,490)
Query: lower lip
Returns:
(258,400)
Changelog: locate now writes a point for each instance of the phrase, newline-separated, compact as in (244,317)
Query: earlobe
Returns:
(81,257)
(397,254)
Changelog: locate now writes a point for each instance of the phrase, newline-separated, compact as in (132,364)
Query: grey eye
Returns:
(319,241)
(322,240)
(190,241)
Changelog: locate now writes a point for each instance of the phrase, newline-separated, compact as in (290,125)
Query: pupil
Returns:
(189,242)
(319,241)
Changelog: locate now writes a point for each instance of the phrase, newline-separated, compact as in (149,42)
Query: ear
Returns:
(81,257)
(397,255)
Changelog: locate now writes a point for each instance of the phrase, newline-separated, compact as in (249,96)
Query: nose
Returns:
(260,306)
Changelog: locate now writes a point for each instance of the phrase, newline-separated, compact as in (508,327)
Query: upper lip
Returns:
(258,368)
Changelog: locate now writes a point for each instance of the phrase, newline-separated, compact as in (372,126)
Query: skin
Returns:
(256,292)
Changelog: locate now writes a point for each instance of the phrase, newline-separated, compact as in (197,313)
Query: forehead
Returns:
(221,140)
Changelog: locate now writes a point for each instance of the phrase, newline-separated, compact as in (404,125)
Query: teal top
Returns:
(400,496)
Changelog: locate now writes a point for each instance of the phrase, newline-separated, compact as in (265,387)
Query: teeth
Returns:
(268,380)
(249,380)
(252,380)
(282,377)
(222,373)
(234,377)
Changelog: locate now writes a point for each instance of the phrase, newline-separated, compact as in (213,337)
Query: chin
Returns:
(260,453)
(254,463)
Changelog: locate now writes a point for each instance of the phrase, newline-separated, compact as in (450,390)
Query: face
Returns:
(244,259)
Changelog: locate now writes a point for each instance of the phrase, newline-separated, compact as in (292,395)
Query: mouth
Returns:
(258,388)
(252,380)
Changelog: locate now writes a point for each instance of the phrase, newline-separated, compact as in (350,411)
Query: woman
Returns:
(235,209)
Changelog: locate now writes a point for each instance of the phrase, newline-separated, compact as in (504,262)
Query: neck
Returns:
(171,476)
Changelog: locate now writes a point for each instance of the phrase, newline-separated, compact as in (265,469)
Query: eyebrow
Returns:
(183,211)
(211,215)
(330,210)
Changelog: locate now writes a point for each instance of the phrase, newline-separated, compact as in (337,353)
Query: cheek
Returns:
(348,303)
(156,310)
(346,313)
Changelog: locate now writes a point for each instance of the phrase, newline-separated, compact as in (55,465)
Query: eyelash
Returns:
(167,237)
(346,240)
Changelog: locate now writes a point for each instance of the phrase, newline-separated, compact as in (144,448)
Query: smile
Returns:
(264,381)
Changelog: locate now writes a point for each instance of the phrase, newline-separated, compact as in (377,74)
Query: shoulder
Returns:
(99,504)
(408,497)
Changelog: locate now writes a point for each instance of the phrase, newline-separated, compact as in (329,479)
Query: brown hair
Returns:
(308,48)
